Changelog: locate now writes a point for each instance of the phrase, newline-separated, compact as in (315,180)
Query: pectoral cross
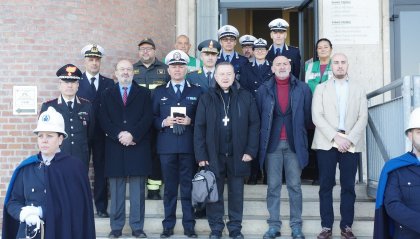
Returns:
(225,120)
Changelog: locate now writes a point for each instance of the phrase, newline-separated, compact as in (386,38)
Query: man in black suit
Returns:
(126,116)
(278,28)
(91,87)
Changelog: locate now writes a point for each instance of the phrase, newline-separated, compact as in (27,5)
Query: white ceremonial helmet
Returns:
(51,121)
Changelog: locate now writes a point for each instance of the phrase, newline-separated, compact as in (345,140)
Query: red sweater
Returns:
(283,98)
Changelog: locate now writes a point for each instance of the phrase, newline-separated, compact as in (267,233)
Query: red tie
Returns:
(125,95)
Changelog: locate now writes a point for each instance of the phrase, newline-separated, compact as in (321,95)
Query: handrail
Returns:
(386,88)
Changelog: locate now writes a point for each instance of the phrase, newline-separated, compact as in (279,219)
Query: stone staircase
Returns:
(255,215)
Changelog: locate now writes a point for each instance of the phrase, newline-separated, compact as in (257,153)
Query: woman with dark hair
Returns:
(319,69)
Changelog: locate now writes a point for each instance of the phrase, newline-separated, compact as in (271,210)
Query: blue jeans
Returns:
(283,156)
(327,163)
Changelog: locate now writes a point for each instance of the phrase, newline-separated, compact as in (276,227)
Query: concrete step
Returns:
(255,215)
(254,227)
(310,192)
(365,209)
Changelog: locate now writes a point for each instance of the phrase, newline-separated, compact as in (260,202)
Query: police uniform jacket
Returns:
(245,129)
(237,61)
(252,76)
(155,75)
(291,53)
(79,125)
(85,91)
(164,98)
(135,117)
(199,78)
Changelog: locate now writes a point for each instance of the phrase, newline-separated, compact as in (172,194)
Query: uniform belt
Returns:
(341,131)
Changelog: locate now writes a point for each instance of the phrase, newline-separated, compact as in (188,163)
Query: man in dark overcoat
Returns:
(226,140)
(126,116)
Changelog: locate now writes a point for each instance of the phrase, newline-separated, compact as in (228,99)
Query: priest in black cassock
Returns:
(226,140)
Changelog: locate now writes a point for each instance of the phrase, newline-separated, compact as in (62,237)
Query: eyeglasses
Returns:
(226,39)
(146,49)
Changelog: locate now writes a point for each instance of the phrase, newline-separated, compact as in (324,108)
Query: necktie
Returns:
(228,58)
(178,91)
(125,95)
(92,83)
(69,103)
(278,52)
(209,78)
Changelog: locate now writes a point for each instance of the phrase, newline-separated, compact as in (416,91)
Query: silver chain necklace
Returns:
(226,109)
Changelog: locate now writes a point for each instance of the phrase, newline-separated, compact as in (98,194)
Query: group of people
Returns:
(230,113)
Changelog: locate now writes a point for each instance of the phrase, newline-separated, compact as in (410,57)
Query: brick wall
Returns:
(38,37)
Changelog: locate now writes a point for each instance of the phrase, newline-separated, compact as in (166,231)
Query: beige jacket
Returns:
(325,115)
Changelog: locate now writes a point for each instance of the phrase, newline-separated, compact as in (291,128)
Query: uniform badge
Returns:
(163,99)
(161,71)
(177,56)
(136,71)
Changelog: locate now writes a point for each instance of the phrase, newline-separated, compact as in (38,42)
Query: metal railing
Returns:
(385,138)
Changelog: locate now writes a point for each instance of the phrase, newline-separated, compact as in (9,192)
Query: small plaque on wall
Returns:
(24,100)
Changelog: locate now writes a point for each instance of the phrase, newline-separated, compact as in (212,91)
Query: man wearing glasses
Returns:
(149,72)
(227,37)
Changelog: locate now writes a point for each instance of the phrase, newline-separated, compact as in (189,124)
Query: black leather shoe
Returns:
(154,195)
(167,233)
(115,234)
(103,214)
(139,234)
(190,233)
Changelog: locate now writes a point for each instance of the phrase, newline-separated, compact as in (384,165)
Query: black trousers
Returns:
(100,185)
(216,211)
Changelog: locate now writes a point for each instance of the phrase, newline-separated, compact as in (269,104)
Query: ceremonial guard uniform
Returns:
(78,117)
(204,78)
(253,75)
(91,87)
(290,52)
(175,141)
(225,33)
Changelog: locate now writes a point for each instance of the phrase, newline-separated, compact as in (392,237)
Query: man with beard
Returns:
(284,103)
(398,194)
(339,112)
(247,42)
(126,117)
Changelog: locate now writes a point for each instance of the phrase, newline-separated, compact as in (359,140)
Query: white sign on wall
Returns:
(24,100)
(351,21)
